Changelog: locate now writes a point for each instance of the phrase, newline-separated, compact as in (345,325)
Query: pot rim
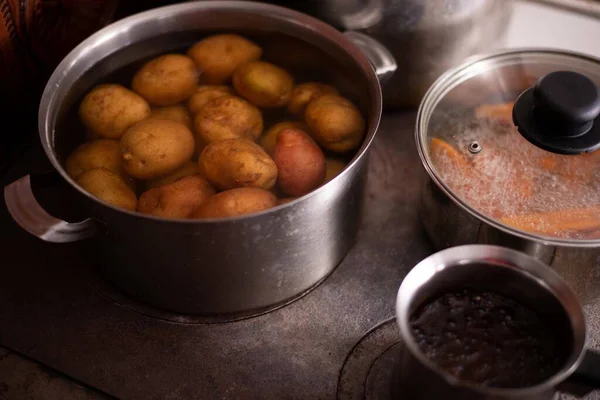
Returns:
(438,90)
(530,268)
(300,20)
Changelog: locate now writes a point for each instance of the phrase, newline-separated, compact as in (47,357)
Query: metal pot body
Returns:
(447,224)
(234,265)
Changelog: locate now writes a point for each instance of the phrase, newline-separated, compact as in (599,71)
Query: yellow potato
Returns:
(176,113)
(166,80)
(304,93)
(205,94)
(100,153)
(333,168)
(233,163)
(263,84)
(228,117)
(176,200)
(218,56)
(269,139)
(300,163)
(188,169)
(335,123)
(156,147)
(234,202)
(108,186)
(108,110)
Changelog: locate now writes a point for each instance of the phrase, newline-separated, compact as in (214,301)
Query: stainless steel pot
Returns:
(448,218)
(504,271)
(225,265)
(429,36)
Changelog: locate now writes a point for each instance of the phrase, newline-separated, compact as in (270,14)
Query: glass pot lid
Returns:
(513,138)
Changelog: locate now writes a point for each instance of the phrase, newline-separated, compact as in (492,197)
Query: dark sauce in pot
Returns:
(488,339)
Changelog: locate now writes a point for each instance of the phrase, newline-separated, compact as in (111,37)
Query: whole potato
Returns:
(205,94)
(108,110)
(218,56)
(269,139)
(177,113)
(304,93)
(300,163)
(233,163)
(108,186)
(228,117)
(333,168)
(335,123)
(177,199)
(100,153)
(234,202)
(166,80)
(263,84)
(156,147)
(188,169)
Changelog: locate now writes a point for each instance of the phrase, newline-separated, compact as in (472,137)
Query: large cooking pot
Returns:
(534,187)
(219,266)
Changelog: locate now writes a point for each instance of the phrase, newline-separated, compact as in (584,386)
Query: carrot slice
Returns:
(499,112)
(580,220)
(441,150)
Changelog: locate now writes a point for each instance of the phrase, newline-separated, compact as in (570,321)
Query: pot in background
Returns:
(505,179)
(219,266)
(509,273)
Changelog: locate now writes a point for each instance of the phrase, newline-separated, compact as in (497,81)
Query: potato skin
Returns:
(269,139)
(335,123)
(306,92)
(263,84)
(234,163)
(228,117)
(218,56)
(178,199)
(204,94)
(109,110)
(177,113)
(234,202)
(300,163)
(156,147)
(166,80)
(285,200)
(188,169)
(108,186)
(333,168)
(100,153)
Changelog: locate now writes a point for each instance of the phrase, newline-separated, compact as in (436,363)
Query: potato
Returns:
(285,200)
(233,163)
(263,84)
(228,117)
(177,113)
(108,186)
(218,56)
(177,199)
(304,93)
(234,202)
(335,123)
(269,139)
(300,163)
(205,94)
(188,169)
(166,80)
(100,153)
(333,168)
(156,147)
(108,110)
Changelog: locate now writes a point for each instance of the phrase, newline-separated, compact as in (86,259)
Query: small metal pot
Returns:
(219,266)
(507,272)
(449,219)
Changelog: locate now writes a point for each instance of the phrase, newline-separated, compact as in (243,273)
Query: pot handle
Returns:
(380,57)
(29,215)
(587,376)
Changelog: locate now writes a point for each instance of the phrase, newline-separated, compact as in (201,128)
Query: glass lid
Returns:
(513,137)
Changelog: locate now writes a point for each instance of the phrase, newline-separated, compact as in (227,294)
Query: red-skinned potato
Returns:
(300,162)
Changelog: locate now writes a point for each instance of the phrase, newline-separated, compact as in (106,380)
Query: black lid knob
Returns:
(560,113)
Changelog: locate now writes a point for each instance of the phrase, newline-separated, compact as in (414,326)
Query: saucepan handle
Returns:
(29,214)
(587,376)
(382,60)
